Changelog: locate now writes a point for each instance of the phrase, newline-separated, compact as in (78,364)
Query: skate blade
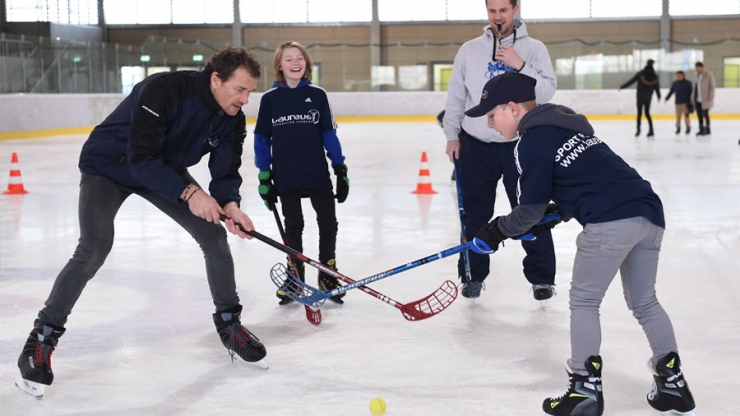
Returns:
(31,387)
(471,302)
(676,413)
(261,364)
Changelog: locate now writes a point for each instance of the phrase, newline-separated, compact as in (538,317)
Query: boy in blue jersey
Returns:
(295,124)
(560,160)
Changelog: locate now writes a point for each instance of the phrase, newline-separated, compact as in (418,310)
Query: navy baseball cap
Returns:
(509,86)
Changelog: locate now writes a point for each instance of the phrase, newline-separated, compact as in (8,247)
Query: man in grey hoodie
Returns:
(485,156)
(560,159)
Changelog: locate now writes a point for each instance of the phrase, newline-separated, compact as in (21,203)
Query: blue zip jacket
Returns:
(167,124)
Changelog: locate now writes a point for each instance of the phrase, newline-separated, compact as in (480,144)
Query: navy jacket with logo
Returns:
(561,160)
(167,124)
(294,125)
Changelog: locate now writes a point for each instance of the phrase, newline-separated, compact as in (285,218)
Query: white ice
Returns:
(141,339)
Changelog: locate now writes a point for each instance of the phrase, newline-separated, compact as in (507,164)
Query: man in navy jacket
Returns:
(168,123)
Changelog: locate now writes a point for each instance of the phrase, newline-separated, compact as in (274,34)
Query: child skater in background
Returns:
(295,124)
(560,159)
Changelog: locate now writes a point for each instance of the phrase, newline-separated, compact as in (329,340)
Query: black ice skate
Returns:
(281,292)
(238,340)
(35,360)
(543,292)
(584,396)
(328,283)
(670,393)
(471,289)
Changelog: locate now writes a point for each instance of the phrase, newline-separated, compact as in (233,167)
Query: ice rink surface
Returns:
(141,340)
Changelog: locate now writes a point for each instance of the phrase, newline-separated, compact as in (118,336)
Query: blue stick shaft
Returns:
(463,232)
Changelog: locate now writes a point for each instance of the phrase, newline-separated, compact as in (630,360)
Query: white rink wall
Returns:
(26,112)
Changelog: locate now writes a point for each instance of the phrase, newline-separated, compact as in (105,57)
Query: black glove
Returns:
(489,234)
(342,182)
(267,189)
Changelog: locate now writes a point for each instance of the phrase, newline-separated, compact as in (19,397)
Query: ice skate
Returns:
(542,293)
(281,291)
(670,393)
(241,343)
(35,360)
(471,290)
(583,397)
(328,283)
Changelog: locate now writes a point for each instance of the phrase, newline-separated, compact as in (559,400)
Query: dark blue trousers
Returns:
(481,166)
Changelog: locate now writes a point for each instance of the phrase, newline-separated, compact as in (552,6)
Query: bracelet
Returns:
(186,191)
(193,193)
(520,69)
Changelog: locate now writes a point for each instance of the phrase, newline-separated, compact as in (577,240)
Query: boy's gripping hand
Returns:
(342,182)
(267,188)
(488,238)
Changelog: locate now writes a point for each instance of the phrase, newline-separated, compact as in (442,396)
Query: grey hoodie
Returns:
(473,67)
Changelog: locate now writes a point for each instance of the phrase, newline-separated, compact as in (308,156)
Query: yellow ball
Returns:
(377,406)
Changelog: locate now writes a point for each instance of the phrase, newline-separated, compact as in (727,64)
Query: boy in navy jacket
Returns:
(561,160)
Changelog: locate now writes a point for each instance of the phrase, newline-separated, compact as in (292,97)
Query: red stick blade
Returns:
(313,316)
(432,304)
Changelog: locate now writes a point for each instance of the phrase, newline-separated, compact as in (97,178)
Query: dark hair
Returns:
(650,62)
(698,63)
(228,59)
(649,72)
(513,2)
(680,72)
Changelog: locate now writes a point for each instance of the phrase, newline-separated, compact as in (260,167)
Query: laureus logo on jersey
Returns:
(312,117)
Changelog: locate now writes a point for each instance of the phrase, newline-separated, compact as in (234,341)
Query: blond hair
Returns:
(279,76)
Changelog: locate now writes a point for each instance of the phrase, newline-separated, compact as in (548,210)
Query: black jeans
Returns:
(99,202)
(646,106)
(481,166)
(703,116)
(322,201)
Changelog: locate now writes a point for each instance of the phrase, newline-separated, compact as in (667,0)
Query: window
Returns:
(413,10)
(626,8)
(580,9)
(548,9)
(304,11)
(430,10)
(76,12)
(466,10)
(202,11)
(688,8)
(162,12)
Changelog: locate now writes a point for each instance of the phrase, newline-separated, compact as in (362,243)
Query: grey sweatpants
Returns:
(632,247)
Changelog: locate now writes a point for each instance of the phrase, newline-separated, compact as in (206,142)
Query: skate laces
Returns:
(43,353)
(240,335)
(473,287)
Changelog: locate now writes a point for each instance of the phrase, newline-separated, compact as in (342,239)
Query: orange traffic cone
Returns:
(424,186)
(15,186)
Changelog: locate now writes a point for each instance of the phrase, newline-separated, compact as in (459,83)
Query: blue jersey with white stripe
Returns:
(294,126)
